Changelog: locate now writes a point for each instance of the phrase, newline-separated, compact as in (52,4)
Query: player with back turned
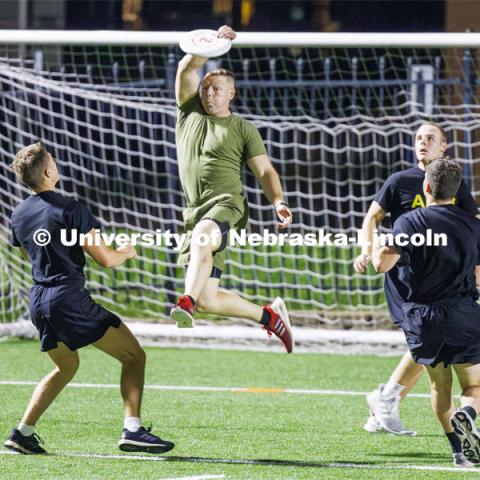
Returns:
(441,315)
(213,145)
(402,192)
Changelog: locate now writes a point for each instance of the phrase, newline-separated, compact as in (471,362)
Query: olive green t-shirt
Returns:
(211,152)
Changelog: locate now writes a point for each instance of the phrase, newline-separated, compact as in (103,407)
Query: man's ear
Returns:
(428,188)
(232,93)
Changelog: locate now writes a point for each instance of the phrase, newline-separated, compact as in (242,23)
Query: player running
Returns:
(61,308)
(402,192)
(213,144)
(441,315)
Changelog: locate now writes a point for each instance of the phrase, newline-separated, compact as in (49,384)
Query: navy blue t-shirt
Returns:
(53,263)
(440,272)
(401,193)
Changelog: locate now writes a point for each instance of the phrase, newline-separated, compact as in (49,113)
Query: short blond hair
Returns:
(221,72)
(29,164)
(442,131)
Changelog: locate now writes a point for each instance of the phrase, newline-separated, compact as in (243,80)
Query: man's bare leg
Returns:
(22,439)
(406,373)
(460,427)
(273,317)
(201,257)
(442,395)
(469,378)
(121,344)
(66,365)
(444,408)
(202,292)
(223,302)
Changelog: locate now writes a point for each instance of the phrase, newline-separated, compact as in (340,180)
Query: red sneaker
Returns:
(280,323)
(182,312)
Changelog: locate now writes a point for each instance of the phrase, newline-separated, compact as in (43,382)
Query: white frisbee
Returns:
(204,43)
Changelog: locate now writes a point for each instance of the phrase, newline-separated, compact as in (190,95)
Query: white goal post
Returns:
(244,39)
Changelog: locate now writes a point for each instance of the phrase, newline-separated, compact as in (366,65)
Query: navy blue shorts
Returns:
(68,314)
(393,298)
(447,331)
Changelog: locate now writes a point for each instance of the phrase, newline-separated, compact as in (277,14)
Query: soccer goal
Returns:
(337,113)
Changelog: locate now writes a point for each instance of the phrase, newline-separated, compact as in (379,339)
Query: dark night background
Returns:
(351,15)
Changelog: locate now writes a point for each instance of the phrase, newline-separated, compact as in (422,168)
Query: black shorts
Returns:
(447,331)
(393,298)
(68,314)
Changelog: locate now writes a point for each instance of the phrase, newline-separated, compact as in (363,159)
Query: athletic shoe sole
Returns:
(16,447)
(145,447)
(279,307)
(465,428)
(182,318)
(459,461)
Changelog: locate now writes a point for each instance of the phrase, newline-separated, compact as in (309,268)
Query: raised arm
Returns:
(105,256)
(187,81)
(272,188)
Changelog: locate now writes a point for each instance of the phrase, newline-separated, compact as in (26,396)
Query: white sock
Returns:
(25,430)
(132,424)
(392,389)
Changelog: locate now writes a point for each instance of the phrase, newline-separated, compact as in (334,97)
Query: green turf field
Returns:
(222,434)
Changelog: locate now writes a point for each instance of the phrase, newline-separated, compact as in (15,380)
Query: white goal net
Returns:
(337,118)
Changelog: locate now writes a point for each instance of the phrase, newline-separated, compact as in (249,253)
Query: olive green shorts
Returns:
(228,211)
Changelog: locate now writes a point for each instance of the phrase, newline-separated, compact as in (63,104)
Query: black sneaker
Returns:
(29,445)
(143,441)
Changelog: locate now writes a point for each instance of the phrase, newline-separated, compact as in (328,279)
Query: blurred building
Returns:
(252,15)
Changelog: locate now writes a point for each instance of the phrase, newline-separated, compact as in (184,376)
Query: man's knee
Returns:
(134,357)
(206,302)
(202,305)
(472,390)
(68,366)
(441,394)
(206,237)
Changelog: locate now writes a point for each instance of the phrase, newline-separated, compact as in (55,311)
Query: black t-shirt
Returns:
(401,193)
(439,272)
(53,263)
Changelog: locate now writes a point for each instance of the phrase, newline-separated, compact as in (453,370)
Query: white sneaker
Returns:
(386,412)
(464,426)
(372,426)
(460,460)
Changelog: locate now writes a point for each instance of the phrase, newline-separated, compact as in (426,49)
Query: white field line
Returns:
(197,477)
(273,463)
(179,388)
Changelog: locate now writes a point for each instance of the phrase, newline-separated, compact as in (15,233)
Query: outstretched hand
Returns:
(128,249)
(226,32)
(361,263)
(285,215)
